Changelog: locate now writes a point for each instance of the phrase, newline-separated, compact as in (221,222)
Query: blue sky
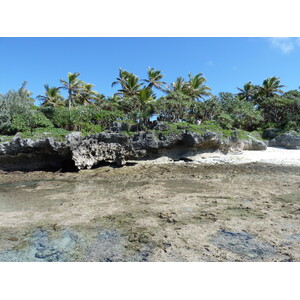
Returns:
(227,63)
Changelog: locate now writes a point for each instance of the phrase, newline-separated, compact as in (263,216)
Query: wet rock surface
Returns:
(245,245)
(50,244)
(171,212)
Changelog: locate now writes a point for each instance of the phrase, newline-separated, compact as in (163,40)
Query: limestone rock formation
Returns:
(78,152)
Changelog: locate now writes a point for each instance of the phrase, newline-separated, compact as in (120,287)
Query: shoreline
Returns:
(272,155)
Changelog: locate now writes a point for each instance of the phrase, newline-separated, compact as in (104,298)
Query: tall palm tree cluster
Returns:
(182,100)
(271,87)
(135,97)
(81,93)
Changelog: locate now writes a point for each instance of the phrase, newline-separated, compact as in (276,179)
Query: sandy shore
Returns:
(277,156)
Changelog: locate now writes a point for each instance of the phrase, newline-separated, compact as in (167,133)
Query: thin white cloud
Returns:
(285,44)
(210,63)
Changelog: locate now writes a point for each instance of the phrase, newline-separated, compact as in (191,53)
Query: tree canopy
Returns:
(252,107)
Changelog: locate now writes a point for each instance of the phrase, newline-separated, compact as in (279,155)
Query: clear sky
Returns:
(227,63)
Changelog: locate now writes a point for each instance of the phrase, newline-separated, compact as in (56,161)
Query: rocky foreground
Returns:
(168,212)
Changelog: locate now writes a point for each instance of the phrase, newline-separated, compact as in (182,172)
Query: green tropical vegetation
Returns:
(185,101)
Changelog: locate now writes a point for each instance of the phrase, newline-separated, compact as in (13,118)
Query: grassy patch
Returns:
(242,135)
(257,135)
(37,133)
(176,128)
(129,133)
(5,138)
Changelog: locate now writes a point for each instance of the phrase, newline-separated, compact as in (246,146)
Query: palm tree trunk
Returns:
(69,99)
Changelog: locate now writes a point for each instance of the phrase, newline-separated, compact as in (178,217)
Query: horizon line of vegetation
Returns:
(253,107)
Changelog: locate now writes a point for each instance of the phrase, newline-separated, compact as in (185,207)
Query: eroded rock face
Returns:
(289,140)
(253,144)
(91,152)
(78,152)
(42,154)
(208,140)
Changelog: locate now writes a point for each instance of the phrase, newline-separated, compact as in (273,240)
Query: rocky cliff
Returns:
(78,152)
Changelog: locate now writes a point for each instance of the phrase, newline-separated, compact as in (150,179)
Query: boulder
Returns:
(248,143)
(91,152)
(208,140)
(253,144)
(145,140)
(160,126)
(270,133)
(289,140)
(135,127)
(118,127)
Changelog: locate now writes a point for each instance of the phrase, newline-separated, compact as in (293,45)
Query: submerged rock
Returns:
(245,245)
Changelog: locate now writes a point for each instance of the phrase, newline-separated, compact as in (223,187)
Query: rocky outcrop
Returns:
(90,152)
(270,133)
(40,154)
(253,144)
(289,140)
(78,152)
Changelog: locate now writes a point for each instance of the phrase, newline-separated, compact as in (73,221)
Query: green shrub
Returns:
(38,119)
(19,122)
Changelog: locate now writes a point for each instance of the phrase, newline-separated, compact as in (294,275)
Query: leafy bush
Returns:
(225,121)
(17,112)
(283,112)
(87,119)
(236,113)
(38,119)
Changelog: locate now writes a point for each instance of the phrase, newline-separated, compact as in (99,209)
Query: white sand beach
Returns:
(277,156)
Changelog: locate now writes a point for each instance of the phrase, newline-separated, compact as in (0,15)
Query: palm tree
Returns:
(145,101)
(145,96)
(270,87)
(99,99)
(52,96)
(248,92)
(73,86)
(177,86)
(129,82)
(196,88)
(154,79)
(25,93)
(123,75)
(86,94)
